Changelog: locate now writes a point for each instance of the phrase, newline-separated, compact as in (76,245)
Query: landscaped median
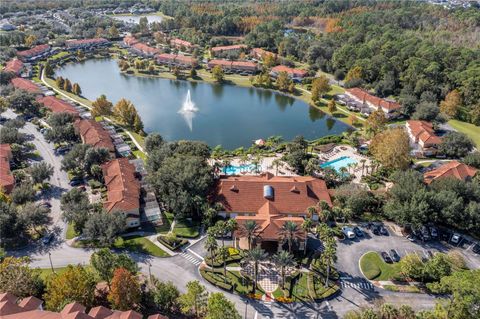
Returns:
(374,268)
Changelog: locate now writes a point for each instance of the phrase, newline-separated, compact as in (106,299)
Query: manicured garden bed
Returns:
(171,242)
(139,244)
(216,278)
(235,256)
(374,268)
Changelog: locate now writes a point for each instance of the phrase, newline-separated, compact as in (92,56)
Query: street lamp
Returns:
(51,264)
(246,305)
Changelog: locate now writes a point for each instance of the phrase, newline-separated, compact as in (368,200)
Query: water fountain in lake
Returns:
(188,110)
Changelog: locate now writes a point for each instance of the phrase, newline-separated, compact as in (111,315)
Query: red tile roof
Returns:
(293,72)
(56,105)
(229,47)
(129,40)
(364,96)
(145,48)
(14,65)
(9,309)
(94,134)
(7,181)
(180,42)
(214,62)
(247,65)
(423,131)
(27,85)
(260,53)
(36,50)
(451,169)
(123,189)
(292,195)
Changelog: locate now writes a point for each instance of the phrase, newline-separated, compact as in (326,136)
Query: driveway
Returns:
(58,181)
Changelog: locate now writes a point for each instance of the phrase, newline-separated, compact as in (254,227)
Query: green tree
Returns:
(250,229)
(23,193)
(34,217)
(165,296)
(194,300)
(40,172)
(354,76)
(17,278)
(290,233)
(125,292)
(376,121)
(438,267)
(67,85)
(391,148)
(456,144)
(76,89)
(104,227)
(223,254)
(283,81)
(331,106)
(48,70)
(153,141)
(74,284)
(218,74)
(412,266)
(452,104)
(113,32)
(255,256)
(75,206)
(105,262)
(320,86)
(101,106)
(329,256)
(59,81)
(219,307)
(211,246)
(283,260)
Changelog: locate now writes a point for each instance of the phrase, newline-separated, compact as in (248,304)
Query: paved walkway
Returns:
(268,277)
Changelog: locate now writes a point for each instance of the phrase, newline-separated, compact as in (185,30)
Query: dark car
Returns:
(48,238)
(376,231)
(395,256)
(358,232)
(476,249)
(62,150)
(433,232)
(425,234)
(45,204)
(383,231)
(76,182)
(386,257)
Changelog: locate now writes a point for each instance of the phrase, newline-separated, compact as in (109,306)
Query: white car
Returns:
(348,231)
(456,238)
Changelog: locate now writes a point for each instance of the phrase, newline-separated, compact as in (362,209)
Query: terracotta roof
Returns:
(270,221)
(180,42)
(7,181)
(229,47)
(94,134)
(451,169)
(259,52)
(292,195)
(145,48)
(185,59)
(36,50)
(123,189)
(56,105)
(364,96)
(290,71)
(9,309)
(14,65)
(220,62)
(129,40)
(423,131)
(27,85)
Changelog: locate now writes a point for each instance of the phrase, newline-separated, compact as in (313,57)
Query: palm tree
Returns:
(329,256)
(231,225)
(312,210)
(250,230)
(283,260)
(256,255)
(306,226)
(220,229)
(289,233)
(277,163)
(363,161)
(388,311)
(211,246)
(223,254)
(324,210)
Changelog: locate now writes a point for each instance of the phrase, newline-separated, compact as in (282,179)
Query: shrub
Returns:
(216,278)
(284,300)
(171,242)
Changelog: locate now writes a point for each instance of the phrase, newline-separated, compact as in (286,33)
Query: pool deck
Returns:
(266,164)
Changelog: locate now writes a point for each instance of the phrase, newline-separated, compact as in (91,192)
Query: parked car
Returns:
(412,238)
(76,182)
(358,232)
(376,230)
(425,234)
(48,238)
(433,232)
(383,230)
(45,204)
(476,249)
(348,231)
(386,257)
(62,150)
(456,239)
(395,256)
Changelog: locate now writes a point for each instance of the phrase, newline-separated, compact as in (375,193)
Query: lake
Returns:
(136,18)
(227,115)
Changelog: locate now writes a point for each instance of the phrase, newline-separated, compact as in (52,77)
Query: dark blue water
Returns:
(228,115)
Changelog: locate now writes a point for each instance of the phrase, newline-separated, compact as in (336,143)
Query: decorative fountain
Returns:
(188,110)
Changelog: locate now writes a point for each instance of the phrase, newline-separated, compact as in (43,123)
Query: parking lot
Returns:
(350,251)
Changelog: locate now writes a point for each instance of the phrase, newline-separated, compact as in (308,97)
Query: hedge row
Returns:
(169,245)
(219,263)
(216,278)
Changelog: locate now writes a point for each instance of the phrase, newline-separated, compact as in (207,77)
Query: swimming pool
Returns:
(338,163)
(237,170)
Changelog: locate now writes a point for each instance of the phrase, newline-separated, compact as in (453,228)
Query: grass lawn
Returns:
(139,244)
(237,281)
(71,233)
(186,228)
(470,130)
(59,55)
(374,268)
(300,289)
